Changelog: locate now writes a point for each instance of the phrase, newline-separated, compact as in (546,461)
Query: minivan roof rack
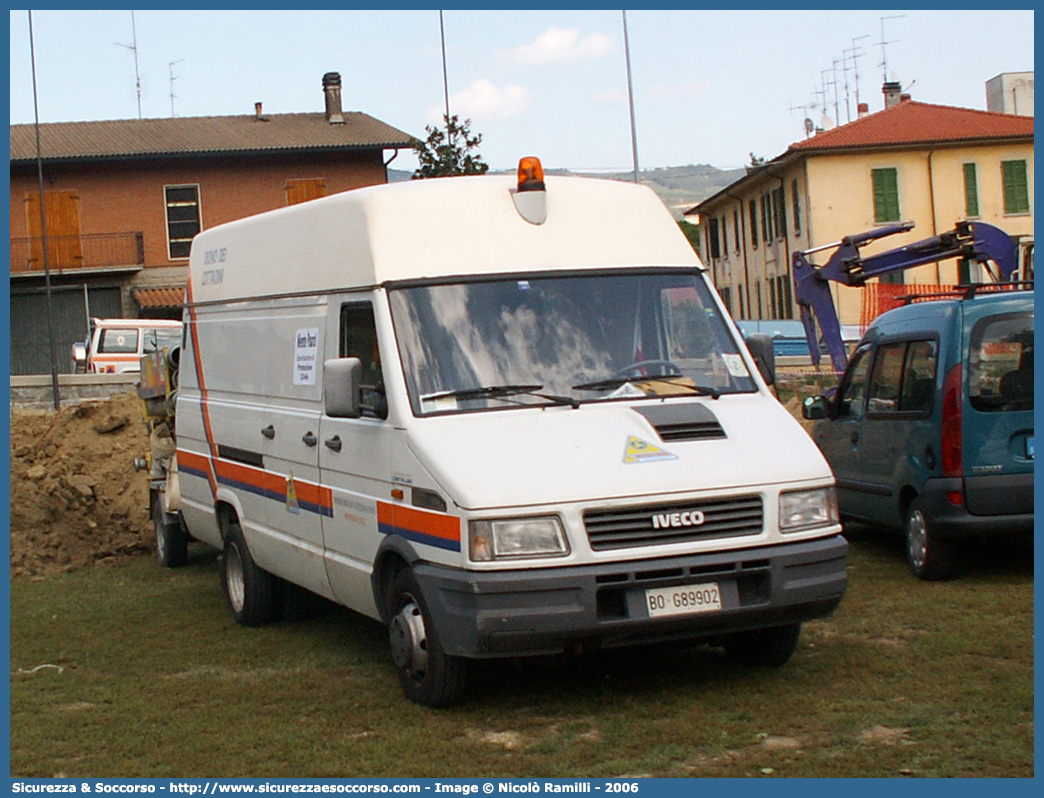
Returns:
(969,291)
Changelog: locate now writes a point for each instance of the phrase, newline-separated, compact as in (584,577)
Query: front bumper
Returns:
(551,610)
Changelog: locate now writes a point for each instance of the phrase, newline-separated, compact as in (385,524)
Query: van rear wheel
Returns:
(249,589)
(427,673)
(929,557)
(764,648)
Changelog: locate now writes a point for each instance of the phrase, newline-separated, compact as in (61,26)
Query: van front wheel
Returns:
(428,674)
(929,557)
(249,589)
(171,540)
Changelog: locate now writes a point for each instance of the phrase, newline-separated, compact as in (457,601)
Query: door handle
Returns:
(309,438)
(333,443)
(268,432)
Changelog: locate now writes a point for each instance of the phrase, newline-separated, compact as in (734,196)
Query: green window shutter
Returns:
(797,205)
(1016,187)
(971,191)
(886,194)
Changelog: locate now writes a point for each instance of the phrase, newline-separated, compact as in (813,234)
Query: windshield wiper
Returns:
(616,382)
(501,392)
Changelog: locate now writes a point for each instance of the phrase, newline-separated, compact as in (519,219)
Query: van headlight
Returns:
(805,509)
(512,538)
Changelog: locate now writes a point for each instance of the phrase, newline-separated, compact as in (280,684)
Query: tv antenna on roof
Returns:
(882,43)
(809,125)
(856,54)
(173,77)
(134,49)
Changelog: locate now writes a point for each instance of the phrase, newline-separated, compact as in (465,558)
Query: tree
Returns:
(692,232)
(448,152)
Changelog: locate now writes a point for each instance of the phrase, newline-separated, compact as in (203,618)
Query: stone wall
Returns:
(37,391)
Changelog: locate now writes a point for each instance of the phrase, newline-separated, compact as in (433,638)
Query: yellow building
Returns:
(931,164)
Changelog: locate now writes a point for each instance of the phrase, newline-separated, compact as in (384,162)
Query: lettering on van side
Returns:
(306,355)
(212,256)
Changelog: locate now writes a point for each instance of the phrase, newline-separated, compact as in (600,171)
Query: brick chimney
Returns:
(863,109)
(892,92)
(332,91)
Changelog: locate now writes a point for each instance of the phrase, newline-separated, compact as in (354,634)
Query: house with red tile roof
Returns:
(931,164)
(122,200)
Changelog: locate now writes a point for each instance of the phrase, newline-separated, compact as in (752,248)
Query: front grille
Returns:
(624,527)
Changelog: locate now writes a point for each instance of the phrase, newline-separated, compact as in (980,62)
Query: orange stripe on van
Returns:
(198,364)
(432,529)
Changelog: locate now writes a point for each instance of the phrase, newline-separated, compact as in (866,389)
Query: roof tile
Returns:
(912,122)
(206,135)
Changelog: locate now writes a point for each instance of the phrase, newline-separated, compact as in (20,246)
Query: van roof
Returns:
(135,322)
(431,229)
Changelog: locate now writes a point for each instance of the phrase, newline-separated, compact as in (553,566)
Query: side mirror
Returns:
(342,392)
(764,354)
(814,408)
(79,357)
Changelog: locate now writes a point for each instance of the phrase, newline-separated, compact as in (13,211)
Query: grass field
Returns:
(133,670)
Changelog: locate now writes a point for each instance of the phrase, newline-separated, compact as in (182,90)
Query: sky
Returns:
(709,87)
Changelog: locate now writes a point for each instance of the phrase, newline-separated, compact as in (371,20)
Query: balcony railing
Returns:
(77,253)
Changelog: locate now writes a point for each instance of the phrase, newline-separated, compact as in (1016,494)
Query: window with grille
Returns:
(183,219)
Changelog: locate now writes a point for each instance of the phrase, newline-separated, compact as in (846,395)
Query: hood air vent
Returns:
(682,422)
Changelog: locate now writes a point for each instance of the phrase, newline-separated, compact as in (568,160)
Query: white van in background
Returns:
(503,418)
(116,346)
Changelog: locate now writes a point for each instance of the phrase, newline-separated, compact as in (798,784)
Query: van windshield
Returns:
(522,342)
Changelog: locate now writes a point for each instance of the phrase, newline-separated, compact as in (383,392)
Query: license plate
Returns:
(683,600)
(1029,447)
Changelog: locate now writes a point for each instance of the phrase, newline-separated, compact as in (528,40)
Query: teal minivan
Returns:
(930,430)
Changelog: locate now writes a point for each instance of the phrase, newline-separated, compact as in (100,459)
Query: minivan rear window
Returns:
(1000,363)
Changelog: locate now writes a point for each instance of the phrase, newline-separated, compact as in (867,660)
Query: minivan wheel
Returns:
(428,675)
(249,589)
(171,540)
(765,648)
(929,557)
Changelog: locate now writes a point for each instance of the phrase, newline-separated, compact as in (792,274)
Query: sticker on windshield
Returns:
(639,451)
(735,365)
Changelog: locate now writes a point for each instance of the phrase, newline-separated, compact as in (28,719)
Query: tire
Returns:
(764,648)
(250,590)
(428,675)
(171,539)
(929,557)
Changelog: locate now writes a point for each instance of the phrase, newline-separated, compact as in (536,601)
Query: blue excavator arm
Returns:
(976,241)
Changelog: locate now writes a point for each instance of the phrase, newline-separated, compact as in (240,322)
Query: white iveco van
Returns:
(505,418)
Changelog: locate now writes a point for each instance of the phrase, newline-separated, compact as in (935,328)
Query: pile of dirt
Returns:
(75,496)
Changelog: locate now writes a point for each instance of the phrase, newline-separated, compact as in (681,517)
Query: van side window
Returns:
(850,402)
(919,377)
(359,339)
(903,379)
(118,341)
(886,378)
